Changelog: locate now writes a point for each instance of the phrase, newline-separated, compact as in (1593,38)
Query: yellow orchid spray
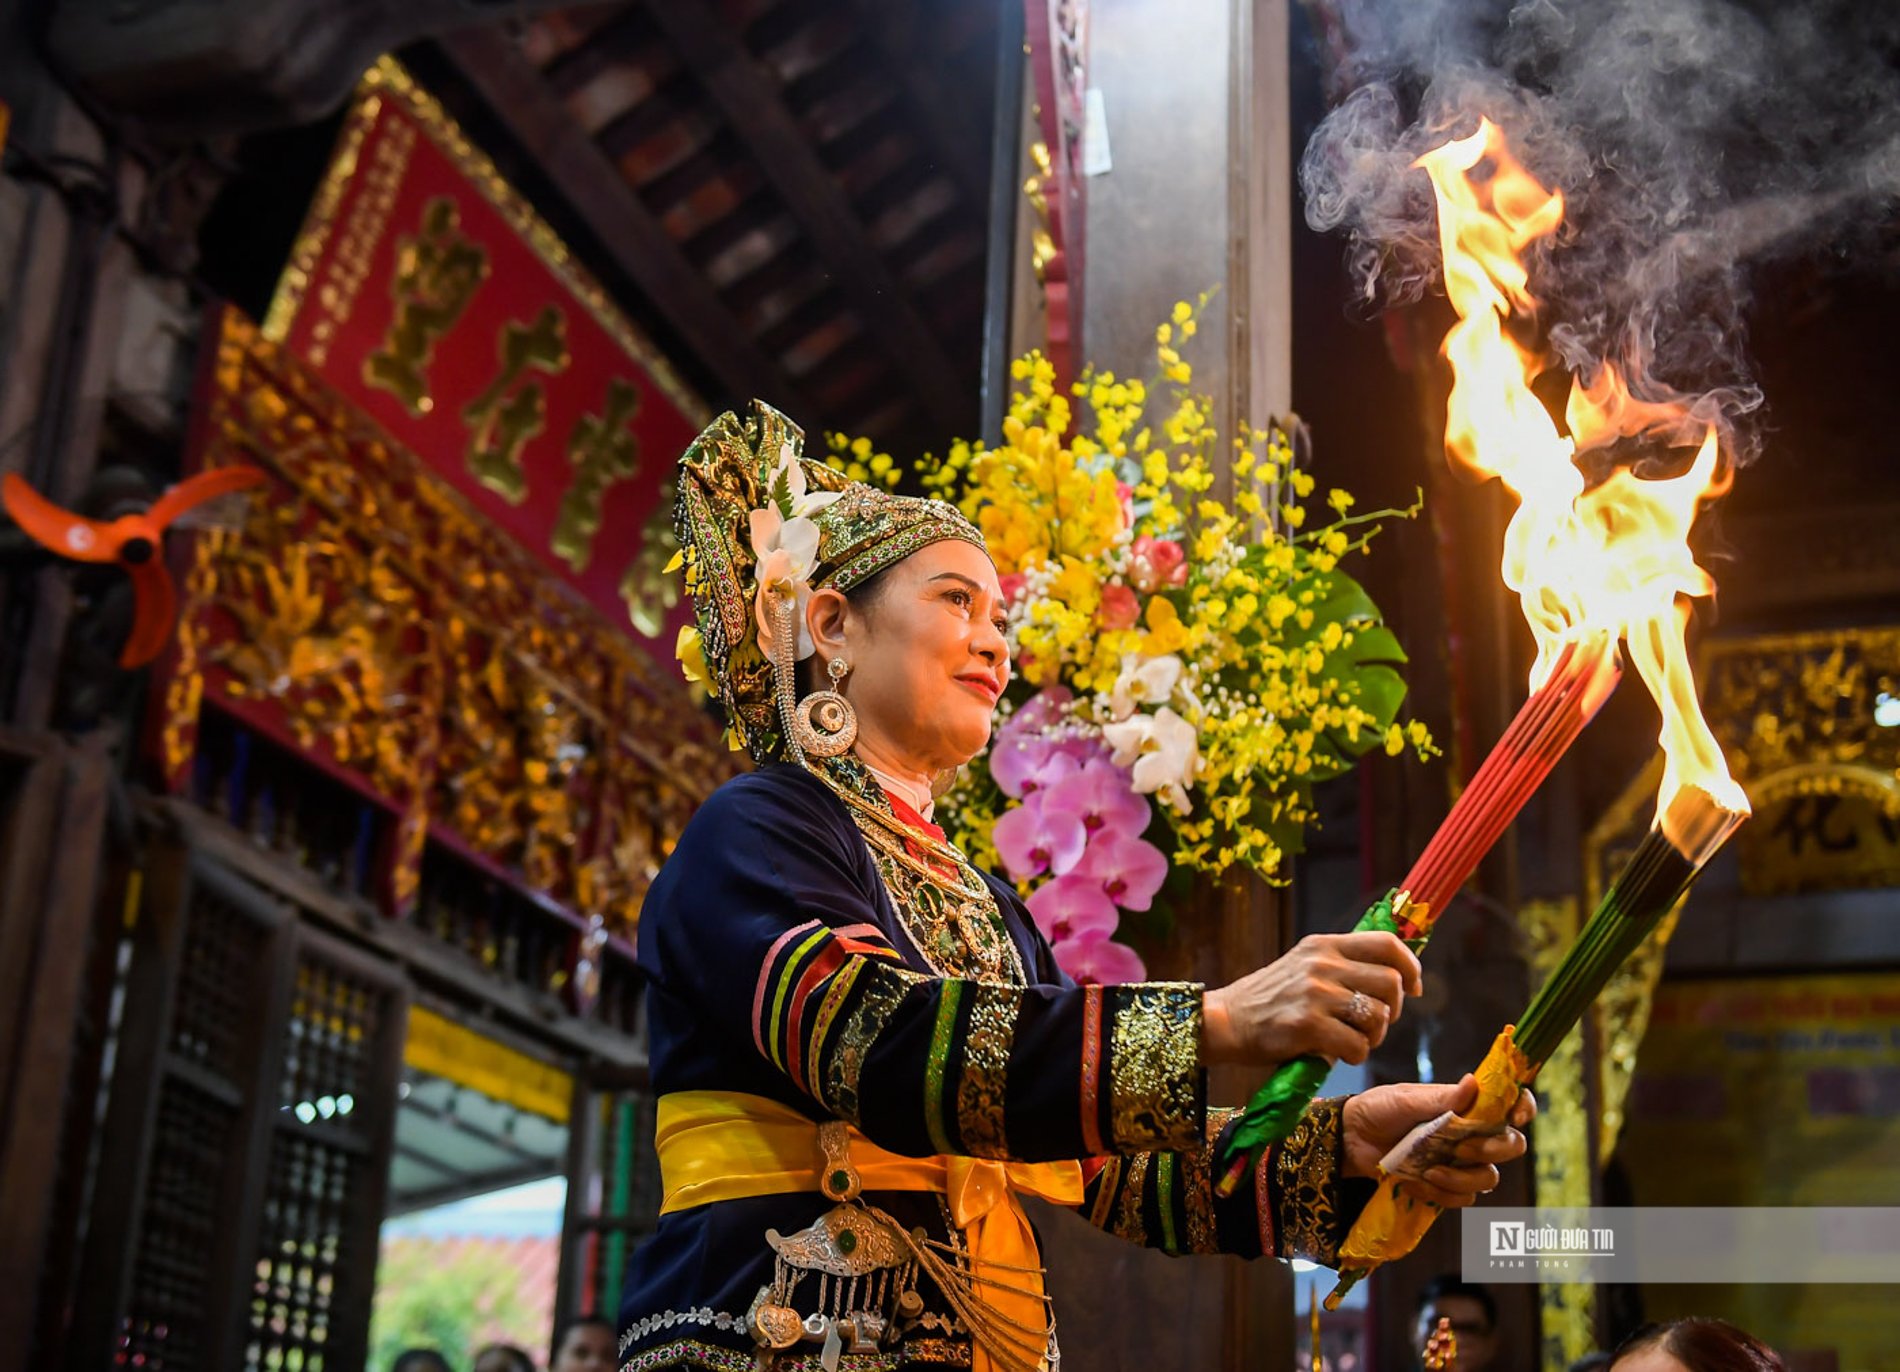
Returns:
(1207,662)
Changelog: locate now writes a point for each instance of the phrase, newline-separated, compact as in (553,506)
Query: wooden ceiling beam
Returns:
(619,219)
(749,96)
(715,157)
(667,104)
(929,102)
(608,46)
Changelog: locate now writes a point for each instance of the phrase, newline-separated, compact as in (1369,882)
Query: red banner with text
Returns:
(428,292)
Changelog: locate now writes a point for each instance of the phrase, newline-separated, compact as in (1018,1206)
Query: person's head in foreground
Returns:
(1695,1345)
(1474,1320)
(584,1345)
(502,1357)
(419,1360)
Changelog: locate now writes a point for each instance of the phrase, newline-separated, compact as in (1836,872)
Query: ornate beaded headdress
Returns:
(761,528)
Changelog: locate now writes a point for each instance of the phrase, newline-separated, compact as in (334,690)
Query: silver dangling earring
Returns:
(826,725)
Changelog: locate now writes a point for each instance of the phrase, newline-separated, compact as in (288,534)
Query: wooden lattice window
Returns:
(247,1145)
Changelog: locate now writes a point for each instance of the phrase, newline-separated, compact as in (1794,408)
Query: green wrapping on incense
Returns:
(1277,1106)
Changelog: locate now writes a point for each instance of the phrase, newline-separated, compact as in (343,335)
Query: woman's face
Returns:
(928,658)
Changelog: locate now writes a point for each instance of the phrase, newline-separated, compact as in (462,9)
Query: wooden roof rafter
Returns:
(749,98)
(588,179)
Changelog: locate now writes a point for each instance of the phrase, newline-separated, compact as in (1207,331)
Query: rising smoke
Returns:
(1693,140)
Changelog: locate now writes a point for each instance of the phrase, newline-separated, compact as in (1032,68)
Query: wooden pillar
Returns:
(1197,195)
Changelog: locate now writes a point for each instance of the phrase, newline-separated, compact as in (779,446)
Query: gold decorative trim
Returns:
(388,78)
(1306,1177)
(1154,1065)
(320,219)
(407,639)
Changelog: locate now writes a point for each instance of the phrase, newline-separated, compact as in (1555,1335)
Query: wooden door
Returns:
(246,1151)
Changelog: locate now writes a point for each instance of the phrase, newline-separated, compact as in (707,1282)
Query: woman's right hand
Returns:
(1303,1001)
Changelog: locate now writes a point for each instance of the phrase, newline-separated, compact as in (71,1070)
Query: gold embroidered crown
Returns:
(735,469)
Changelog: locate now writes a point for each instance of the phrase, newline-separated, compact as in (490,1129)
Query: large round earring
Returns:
(825,724)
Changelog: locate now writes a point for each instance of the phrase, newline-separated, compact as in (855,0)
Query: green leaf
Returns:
(1381,692)
(1374,643)
(1339,599)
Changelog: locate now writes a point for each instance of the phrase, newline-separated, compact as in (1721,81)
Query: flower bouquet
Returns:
(1188,667)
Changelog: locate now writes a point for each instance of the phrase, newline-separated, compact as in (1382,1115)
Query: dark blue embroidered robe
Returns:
(777,966)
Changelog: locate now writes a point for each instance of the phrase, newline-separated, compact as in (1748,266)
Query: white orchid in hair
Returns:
(785,542)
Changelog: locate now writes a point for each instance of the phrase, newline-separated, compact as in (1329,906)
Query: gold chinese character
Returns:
(602,450)
(648,590)
(437,273)
(503,418)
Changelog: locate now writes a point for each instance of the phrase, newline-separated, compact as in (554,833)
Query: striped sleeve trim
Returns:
(765,980)
(827,960)
(1092,1071)
(828,1009)
(936,1067)
(787,976)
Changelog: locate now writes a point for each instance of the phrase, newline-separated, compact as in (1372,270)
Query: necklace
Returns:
(951,915)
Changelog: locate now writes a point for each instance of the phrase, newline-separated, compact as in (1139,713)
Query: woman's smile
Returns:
(983,685)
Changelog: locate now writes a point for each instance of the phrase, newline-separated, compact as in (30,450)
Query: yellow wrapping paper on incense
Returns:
(1394,1221)
(725,1145)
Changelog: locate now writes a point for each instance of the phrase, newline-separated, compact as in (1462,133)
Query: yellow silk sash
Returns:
(723,1145)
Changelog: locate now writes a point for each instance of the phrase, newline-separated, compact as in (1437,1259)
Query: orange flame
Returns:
(1612,559)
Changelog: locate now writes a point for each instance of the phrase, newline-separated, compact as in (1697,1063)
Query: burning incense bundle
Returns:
(1580,680)
(1658,875)
(1591,564)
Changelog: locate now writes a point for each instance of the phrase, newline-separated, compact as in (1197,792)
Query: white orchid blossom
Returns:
(1164,752)
(785,543)
(799,503)
(1144,681)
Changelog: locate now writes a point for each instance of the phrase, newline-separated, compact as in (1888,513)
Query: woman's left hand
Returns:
(1377,1119)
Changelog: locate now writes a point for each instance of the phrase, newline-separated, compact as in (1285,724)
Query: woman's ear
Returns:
(825,616)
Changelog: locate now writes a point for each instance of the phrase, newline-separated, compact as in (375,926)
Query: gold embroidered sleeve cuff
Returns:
(1311,1215)
(1157,1088)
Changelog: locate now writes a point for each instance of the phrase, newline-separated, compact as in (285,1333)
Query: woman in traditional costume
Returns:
(863,1048)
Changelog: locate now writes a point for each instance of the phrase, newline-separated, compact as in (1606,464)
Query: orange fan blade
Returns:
(196,490)
(155,605)
(56,530)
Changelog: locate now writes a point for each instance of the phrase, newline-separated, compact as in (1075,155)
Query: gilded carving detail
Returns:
(413,643)
(389,83)
(1797,700)
(648,592)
